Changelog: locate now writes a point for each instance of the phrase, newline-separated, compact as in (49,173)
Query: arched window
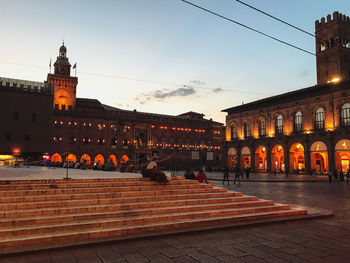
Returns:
(247,133)
(319,119)
(298,122)
(345,115)
(262,127)
(233,132)
(279,125)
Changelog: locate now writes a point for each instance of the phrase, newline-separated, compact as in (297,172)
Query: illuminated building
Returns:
(304,130)
(81,129)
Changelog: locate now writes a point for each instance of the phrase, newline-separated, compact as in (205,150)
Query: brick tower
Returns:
(64,84)
(333,48)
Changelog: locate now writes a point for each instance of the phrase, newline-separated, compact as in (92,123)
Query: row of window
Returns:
(154,143)
(16,116)
(319,123)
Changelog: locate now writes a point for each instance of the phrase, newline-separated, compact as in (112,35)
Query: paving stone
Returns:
(229,259)
(170,252)
(160,258)
(107,254)
(63,256)
(185,259)
(135,258)
(199,255)
(252,259)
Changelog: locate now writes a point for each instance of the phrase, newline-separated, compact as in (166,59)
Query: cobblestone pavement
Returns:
(315,240)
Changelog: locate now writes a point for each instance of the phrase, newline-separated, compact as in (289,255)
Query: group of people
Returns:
(238,174)
(200,177)
(339,177)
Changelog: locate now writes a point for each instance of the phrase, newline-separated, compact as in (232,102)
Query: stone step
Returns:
(16,213)
(82,180)
(44,198)
(132,220)
(68,238)
(65,184)
(124,212)
(126,190)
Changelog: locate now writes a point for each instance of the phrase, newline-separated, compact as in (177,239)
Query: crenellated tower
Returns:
(64,84)
(333,48)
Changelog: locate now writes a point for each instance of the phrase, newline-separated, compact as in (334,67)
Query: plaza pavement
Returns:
(316,240)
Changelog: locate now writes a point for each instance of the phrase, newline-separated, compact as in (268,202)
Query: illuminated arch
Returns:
(245,157)
(342,155)
(71,158)
(56,158)
(319,157)
(87,158)
(99,159)
(296,157)
(277,158)
(260,159)
(124,159)
(113,158)
(232,157)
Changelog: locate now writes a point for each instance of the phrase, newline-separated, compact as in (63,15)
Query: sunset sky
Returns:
(165,56)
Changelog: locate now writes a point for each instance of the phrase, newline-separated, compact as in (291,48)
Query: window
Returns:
(298,122)
(246,130)
(233,132)
(114,141)
(262,127)
(279,125)
(319,119)
(345,115)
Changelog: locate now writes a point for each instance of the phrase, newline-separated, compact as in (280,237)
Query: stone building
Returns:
(306,130)
(80,129)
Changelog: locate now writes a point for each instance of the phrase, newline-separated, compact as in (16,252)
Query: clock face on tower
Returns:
(63,97)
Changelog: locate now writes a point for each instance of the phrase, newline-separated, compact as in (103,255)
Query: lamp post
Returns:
(67,178)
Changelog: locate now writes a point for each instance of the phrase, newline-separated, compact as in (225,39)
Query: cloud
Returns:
(217,90)
(161,95)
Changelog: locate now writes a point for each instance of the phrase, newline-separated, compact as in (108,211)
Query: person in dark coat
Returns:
(226,176)
(247,171)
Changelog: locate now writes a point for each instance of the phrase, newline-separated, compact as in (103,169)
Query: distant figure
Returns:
(341,176)
(247,171)
(226,176)
(347,176)
(238,174)
(155,173)
(330,176)
(201,177)
(189,175)
(335,174)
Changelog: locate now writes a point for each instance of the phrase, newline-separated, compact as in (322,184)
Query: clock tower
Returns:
(64,85)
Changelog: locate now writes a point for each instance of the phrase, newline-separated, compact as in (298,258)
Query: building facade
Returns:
(78,129)
(306,130)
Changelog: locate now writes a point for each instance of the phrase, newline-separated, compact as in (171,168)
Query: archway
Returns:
(277,159)
(99,159)
(113,158)
(71,158)
(319,157)
(56,158)
(85,157)
(296,158)
(245,157)
(231,158)
(124,159)
(260,159)
(342,155)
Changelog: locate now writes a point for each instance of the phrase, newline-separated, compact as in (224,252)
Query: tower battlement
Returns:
(336,17)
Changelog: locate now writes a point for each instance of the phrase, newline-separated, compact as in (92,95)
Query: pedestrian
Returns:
(238,175)
(335,174)
(330,175)
(341,176)
(347,176)
(247,171)
(226,176)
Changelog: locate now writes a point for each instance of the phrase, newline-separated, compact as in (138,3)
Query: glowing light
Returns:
(334,80)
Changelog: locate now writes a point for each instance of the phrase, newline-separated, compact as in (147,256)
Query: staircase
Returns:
(40,214)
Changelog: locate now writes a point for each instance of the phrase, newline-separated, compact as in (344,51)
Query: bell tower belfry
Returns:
(64,85)
(333,48)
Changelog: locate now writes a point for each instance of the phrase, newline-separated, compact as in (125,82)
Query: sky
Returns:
(165,56)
